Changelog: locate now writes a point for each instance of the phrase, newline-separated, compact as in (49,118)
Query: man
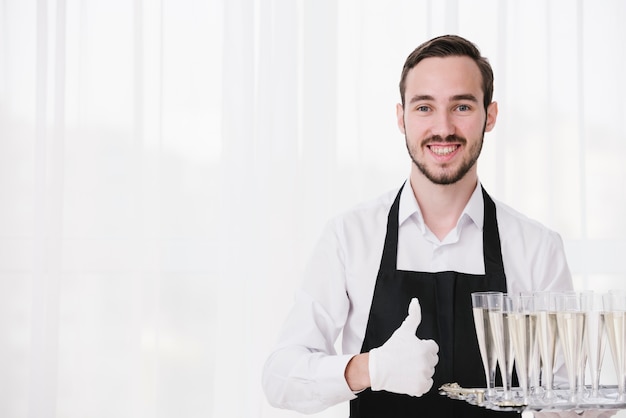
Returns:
(423,250)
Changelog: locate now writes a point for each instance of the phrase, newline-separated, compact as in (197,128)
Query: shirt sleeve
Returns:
(533,255)
(304,372)
(551,269)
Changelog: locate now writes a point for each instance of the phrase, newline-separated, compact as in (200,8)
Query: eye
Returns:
(422,108)
(463,108)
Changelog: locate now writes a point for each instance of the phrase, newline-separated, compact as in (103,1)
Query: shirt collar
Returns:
(474,210)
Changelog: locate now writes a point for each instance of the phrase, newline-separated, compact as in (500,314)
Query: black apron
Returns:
(446,318)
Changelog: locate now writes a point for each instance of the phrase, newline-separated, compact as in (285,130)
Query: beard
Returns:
(446,175)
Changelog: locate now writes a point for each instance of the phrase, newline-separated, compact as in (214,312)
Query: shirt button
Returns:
(437,258)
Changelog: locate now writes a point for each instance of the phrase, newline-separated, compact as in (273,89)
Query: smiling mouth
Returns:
(443,150)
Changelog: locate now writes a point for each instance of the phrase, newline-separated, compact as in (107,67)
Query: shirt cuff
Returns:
(331,379)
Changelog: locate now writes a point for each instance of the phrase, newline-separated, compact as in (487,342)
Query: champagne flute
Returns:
(486,345)
(615,321)
(546,339)
(502,340)
(595,338)
(522,325)
(570,320)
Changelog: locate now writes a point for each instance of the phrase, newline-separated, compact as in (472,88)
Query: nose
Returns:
(443,125)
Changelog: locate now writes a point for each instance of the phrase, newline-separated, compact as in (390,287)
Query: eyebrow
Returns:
(419,98)
(468,97)
(456,97)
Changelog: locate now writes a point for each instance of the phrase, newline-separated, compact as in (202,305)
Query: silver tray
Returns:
(560,400)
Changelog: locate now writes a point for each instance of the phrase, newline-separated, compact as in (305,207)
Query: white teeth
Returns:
(443,150)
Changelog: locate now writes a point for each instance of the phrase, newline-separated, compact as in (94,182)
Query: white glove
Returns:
(404,364)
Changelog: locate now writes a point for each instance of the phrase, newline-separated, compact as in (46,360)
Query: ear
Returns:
(400,117)
(492,115)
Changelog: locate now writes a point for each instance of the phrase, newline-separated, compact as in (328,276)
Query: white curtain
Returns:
(166,167)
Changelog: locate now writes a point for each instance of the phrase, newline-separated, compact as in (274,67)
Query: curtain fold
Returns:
(48,204)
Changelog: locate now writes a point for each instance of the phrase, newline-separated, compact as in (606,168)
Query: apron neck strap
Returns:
(491,236)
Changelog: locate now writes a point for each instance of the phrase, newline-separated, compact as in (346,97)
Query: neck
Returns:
(442,205)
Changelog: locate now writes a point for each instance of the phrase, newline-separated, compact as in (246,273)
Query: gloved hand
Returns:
(404,364)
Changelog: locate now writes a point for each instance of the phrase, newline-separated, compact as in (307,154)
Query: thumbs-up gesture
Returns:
(404,364)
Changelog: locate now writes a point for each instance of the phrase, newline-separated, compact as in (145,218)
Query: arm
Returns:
(304,373)
(533,255)
(357,372)
(404,364)
(551,267)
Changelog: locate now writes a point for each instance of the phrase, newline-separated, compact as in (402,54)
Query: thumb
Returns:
(414,318)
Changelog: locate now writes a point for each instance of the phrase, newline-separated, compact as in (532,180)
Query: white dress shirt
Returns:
(305,373)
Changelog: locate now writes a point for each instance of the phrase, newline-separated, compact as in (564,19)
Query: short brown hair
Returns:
(446,46)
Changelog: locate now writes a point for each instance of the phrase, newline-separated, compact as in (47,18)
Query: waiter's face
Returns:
(444,118)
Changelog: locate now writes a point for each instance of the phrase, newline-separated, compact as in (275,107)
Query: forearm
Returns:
(357,372)
(296,379)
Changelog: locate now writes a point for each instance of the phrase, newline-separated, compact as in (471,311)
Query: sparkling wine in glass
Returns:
(615,322)
(571,327)
(486,344)
(502,339)
(546,339)
(595,338)
(522,326)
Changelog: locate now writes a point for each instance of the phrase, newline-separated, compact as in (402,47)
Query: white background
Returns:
(166,167)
